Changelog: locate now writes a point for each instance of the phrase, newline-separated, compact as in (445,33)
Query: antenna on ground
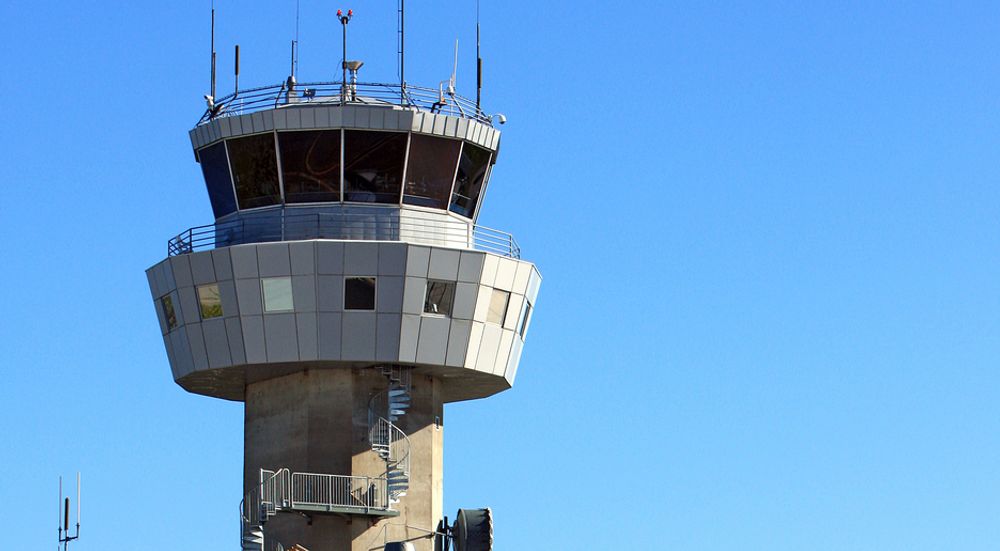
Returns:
(64,535)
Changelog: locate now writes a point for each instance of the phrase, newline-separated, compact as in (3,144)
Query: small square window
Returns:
(277,294)
(167,304)
(440,298)
(522,325)
(498,307)
(359,293)
(209,302)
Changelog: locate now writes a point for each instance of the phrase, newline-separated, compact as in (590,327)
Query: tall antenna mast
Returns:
(479,64)
(402,44)
(295,44)
(64,537)
(212,88)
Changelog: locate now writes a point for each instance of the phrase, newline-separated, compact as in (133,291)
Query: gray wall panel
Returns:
(272,260)
(360,259)
(390,294)
(303,258)
(387,337)
(234,329)
(223,264)
(182,353)
(503,353)
(181,268)
(359,336)
(304,293)
(188,306)
(444,264)
(202,268)
(230,304)
(475,342)
(280,338)
(330,258)
(306,324)
(330,335)
(413,295)
(248,293)
(253,339)
(433,343)
(391,259)
(417,260)
(470,268)
(331,293)
(466,296)
(244,259)
(153,282)
(458,342)
(197,341)
(486,360)
(216,342)
(409,334)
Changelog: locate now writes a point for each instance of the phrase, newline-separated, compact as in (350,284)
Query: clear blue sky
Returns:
(769,236)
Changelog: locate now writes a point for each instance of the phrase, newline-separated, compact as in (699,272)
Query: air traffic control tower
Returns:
(345,293)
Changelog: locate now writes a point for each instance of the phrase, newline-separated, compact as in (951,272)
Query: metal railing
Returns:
(343,226)
(341,491)
(336,93)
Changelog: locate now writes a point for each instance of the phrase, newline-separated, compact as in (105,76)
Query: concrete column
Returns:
(316,421)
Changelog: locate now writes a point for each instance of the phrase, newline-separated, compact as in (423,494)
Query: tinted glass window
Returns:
(498,307)
(359,293)
(277,294)
(209,302)
(215,168)
(440,297)
(522,325)
(255,170)
(168,312)
(430,171)
(471,173)
(373,166)
(310,165)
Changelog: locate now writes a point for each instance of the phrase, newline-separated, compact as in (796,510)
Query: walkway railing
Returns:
(368,227)
(334,93)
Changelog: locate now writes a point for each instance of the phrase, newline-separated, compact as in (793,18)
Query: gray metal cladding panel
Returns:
(387,337)
(303,258)
(153,281)
(390,294)
(248,292)
(234,329)
(409,334)
(330,258)
(391,259)
(359,336)
(475,341)
(444,264)
(458,342)
(272,260)
(165,277)
(432,346)
(466,296)
(417,261)
(223,264)
(202,268)
(253,339)
(361,259)
(169,347)
(181,268)
(470,268)
(281,339)
(306,325)
(160,316)
(244,259)
(216,342)
(230,304)
(183,364)
(503,353)
(330,336)
(197,341)
(331,293)
(413,295)
(188,306)
(304,293)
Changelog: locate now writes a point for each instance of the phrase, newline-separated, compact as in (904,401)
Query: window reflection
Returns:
(310,165)
(471,173)
(255,170)
(430,171)
(373,166)
(215,168)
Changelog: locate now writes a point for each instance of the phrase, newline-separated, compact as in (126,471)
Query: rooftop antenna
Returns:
(237,71)
(64,536)
(295,43)
(344,20)
(402,44)
(210,98)
(479,64)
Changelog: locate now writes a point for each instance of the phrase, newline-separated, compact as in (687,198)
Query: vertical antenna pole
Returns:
(59,512)
(402,44)
(78,503)
(212,89)
(479,64)
(237,71)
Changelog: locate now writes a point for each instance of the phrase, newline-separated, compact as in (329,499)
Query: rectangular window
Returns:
(277,294)
(522,324)
(209,302)
(440,298)
(498,307)
(168,312)
(359,293)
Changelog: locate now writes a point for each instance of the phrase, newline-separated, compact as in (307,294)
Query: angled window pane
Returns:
(310,165)
(209,302)
(472,169)
(373,166)
(169,314)
(359,293)
(440,297)
(522,324)
(277,294)
(255,170)
(430,171)
(216,171)
(498,307)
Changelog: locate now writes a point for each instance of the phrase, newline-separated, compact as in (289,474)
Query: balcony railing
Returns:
(344,226)
(334,93)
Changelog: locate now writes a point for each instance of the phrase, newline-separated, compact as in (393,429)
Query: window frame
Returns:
(263,295)
(170,319)
(374,293)
(506,307)
(201,304)
(452,286)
